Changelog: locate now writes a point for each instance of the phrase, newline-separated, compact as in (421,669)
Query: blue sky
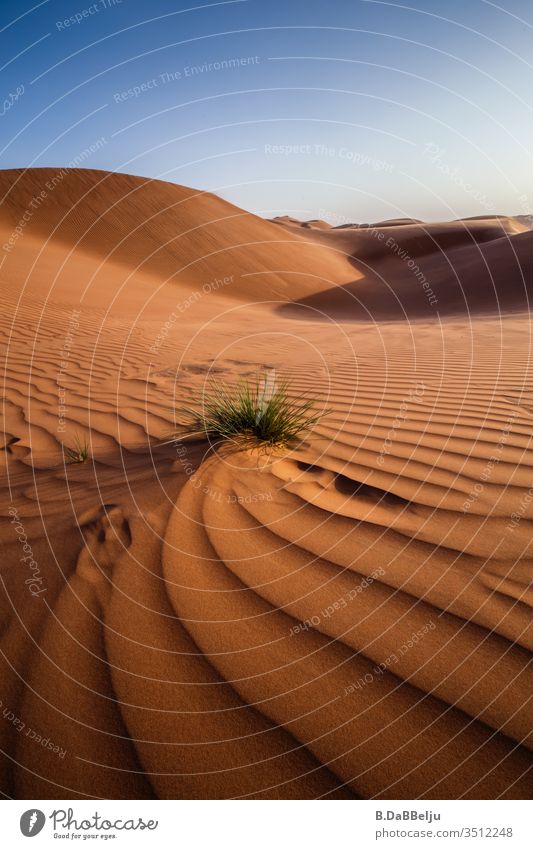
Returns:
(349,110)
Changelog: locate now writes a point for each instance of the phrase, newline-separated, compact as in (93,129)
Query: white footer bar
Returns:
(268,825)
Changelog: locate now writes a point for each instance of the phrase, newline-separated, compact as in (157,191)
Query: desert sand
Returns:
(350,618)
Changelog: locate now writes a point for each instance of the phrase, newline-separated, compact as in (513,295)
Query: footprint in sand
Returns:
(107,536)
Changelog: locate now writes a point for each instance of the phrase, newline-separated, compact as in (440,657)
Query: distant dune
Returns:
(411,270)
(350,618)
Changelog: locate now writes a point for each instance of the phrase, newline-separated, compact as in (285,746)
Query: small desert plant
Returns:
(80,452)
(258,412)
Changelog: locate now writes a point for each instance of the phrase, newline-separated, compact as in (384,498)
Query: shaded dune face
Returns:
(350,618)
(414,271)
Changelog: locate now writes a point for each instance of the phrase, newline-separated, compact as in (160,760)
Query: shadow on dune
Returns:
(441,271)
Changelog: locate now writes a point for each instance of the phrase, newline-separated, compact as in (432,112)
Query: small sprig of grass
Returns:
(80,452)
(251,413)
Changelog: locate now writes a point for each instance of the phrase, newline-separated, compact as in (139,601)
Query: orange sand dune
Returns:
(158,233)
(349,618)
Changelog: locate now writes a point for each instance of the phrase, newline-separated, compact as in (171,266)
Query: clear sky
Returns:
(349,110)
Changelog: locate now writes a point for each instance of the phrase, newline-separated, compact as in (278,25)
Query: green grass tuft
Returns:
(80,452)
(252,413)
